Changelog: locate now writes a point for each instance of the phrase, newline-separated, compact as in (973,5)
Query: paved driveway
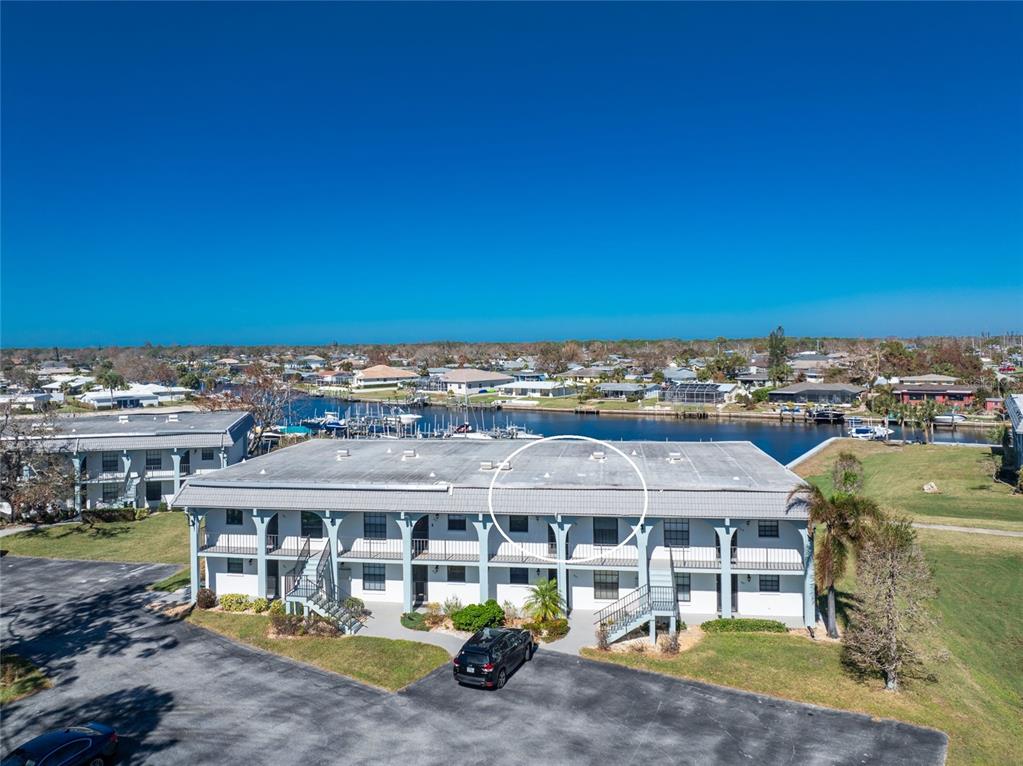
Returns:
(182,696)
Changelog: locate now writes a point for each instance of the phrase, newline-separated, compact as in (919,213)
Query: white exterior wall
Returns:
(703,595)
(222,583)
(786,603)
(438,589)
(393,592)
(582,588)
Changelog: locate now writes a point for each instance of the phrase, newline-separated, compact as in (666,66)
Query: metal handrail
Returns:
(637,602)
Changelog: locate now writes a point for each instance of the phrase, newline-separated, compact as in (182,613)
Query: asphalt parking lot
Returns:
(179,695)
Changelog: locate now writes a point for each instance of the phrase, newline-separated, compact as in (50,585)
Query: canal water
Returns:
(783,441)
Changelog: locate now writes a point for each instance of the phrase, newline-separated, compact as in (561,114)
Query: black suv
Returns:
(489,657)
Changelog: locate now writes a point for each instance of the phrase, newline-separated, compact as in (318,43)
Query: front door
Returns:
(735,592)
(420,578)
(271,578)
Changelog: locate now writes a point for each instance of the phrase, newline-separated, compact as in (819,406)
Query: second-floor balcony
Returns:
(741,559)
(248,545)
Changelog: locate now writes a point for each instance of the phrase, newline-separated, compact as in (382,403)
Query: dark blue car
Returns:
(88,745)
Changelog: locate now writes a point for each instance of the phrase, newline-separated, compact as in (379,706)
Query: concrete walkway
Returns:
(385,622)
(580,633)
(970,530)
(8,531)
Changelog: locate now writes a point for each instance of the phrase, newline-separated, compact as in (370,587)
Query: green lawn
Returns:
(976,641)
(19,678)
(390,664)
(894,476)
(176,581)
(161,538)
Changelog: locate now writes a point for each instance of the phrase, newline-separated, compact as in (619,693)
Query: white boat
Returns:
(949,419)
(869,433)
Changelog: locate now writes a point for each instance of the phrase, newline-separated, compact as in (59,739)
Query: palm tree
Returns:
(110,379)
(544,601)
(847,521)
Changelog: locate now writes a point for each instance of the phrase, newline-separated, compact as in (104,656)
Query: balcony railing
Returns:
(696,557)
(248,545)
(293,545)
(783,559)
(366,548)
(523,553)
(446,550)
(604,555)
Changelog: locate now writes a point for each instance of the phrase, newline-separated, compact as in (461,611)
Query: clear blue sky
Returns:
(309,173)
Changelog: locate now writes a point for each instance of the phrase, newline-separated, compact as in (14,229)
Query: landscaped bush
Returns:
(205,598)
(235,602)
(141,513)
(414,621)
(433,615)
(548,630)
(744,625)
(511,612)
(108,515)
(451,606)
(276,607)
(287,624)
(478,616)
(260,605)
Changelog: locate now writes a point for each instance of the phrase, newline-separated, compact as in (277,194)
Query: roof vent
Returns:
(408,454)
(122,418)
(486,465)
(343,452)
(262,472)
(172,418)
(598,455)
(674,457)
(505,466)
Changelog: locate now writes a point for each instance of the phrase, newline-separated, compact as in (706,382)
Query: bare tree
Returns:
(893,584)
(35,476)
(265,395)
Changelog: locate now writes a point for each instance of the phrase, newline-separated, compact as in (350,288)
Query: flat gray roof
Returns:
(143,430)
(445,476)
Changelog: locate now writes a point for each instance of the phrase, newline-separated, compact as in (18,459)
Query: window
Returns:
(234,517)
(767,529)
(234,566)
(186,461)
(111,463)
(518,523)
(456,522)
(207,455)
(770,583)
(683,586)
(373,576)
(676,533)
(605,532)
(66,753)
(374,526)
(518,576)
(110,492)
(154,460)
(605,586)
(456,574)
(312,525)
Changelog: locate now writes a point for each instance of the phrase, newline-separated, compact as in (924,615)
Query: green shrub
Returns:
(478,616)
(162,507)
(744,625)
(235,602)
(548,630)
(260,605)
(276,607)
(141,513)
(414,621)
(205,598)
(108,515)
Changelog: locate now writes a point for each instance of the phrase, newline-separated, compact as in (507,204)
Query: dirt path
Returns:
(971,530)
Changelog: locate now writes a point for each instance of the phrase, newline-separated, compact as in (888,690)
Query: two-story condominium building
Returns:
(409,523)
(139,460)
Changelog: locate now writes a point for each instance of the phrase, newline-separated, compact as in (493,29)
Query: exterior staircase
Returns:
(315,590)
(646,603)
(131,485)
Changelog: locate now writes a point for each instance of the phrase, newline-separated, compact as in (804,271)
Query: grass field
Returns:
(975,644)
(161,538)
(387,663)
(895,476)
(19,678)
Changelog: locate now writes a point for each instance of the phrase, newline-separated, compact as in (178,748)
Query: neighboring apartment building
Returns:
(134,396)
(408,523)
(465,381)
(382,376)
(817,393)
(139,460)
(952,394)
